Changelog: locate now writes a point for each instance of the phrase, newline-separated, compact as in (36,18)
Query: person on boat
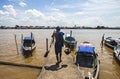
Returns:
(59,42)
(102,42)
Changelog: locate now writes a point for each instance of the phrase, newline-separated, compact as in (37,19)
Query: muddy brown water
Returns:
(109,67)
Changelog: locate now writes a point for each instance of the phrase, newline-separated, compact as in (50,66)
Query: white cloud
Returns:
(64,6)
(10,9)
(8,20)
(1,12)
(33,17)
(34,13)
(54,9)
(4,12)
(90,13)
(51,9)
(100,12)
(69,6)
(22,4)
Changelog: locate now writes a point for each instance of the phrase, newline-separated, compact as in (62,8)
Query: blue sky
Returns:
(60,12)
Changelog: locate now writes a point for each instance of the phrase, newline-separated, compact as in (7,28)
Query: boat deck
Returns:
(66,70)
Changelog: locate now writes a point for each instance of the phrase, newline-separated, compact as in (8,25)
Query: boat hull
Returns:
(70,42)
(87,61)
(111,42)
(117,53)
(109,45)
(94,70)
(70,45)
(27,51)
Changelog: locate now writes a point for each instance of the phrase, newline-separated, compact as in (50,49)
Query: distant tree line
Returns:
(53,27)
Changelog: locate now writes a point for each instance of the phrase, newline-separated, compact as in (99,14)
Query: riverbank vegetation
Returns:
(53,27)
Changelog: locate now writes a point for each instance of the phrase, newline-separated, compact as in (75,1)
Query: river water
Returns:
(109,67)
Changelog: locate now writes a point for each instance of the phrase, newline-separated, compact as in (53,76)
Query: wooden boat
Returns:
(87,61)
(117,52)
(111,42)
(70,42)
(28,45)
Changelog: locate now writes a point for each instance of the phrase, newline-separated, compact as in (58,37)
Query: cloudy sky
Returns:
(60,12)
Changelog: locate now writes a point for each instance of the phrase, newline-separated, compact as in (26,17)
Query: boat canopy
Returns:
(28,38)
(70,40)
(85,48)
(115,39)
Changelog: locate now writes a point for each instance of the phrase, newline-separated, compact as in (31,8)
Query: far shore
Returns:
(53,27)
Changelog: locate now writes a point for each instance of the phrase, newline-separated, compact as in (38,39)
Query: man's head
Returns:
(57,28)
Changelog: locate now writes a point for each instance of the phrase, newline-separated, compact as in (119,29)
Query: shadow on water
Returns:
(28,57)
(55,67)
(26,54)
(116,60)
(28,60)
(110,51)
(108,48)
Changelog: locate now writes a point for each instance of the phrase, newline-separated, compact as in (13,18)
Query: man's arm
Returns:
(63,39)
(53,34)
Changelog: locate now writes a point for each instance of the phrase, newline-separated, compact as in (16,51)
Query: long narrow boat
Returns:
(117,52)
(28,45)
(87,61)
(111,42)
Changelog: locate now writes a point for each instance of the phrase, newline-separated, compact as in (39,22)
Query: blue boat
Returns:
(87,61)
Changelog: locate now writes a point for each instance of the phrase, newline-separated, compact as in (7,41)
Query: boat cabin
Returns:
(86,56)
(70,42)
(28,41)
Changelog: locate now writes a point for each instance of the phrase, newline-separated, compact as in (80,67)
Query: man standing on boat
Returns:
(59,42)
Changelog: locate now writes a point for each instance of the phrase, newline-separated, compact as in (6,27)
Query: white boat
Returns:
(111,42)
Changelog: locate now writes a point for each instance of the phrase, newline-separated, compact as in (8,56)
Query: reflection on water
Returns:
(28,60)
(109,67)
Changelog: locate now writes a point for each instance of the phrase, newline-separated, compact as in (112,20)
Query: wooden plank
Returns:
(66,70)
(20,65)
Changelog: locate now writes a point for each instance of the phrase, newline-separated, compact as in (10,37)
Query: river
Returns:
(109,67)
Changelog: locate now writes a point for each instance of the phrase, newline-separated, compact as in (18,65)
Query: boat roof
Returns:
(29,38)
(115,39)
(69,38)
(85,48)
(67,35)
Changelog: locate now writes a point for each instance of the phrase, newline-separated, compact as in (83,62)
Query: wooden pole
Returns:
(21,38)
(16,44)
(46,44)
(31,34)
(46,53)
(70,40)
(31,40)
(71,33)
